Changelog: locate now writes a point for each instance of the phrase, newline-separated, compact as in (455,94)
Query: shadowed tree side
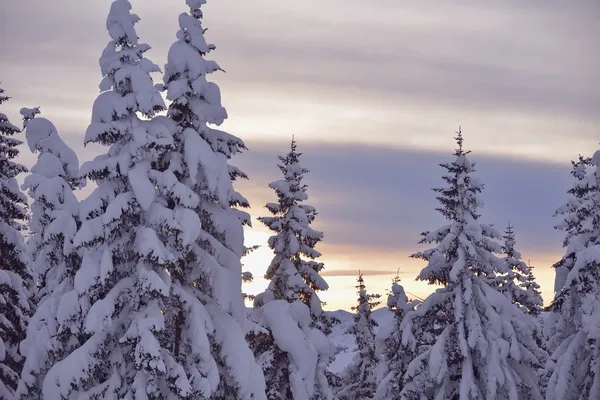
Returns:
(15,279)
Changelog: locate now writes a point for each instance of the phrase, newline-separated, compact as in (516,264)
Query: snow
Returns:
(344,342)
(485,329)
(573,324)
(143,188)
(16,305)
(140,282)
(289,324)
(199,156)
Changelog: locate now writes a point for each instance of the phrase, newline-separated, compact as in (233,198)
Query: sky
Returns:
(373,92)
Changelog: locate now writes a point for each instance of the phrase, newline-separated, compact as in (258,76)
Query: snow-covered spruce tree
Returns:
(293,272)
(211,323)
(520,288)
(54,223)
(513,283)
(247,276)
(138,230)
(358,379)
(575,364)
(15,279)
(392,354)
(484,346)
(293,350)
(534,302)
(571,214)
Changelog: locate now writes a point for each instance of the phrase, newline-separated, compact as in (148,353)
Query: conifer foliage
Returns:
(572,215)
(534,302)
(15,279)
(358,381)
(519,285)
(482,345)
(54,223)
(130,239)
(292,277)
(393,355)
(292,349)
(211,321)
(575,366)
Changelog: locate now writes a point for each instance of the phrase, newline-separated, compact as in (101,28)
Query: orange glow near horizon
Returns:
(379,266)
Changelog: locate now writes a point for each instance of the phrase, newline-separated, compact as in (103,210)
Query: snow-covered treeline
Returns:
(134,292)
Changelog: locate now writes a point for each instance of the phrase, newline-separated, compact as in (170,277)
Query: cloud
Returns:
(388,73)
(372,90)
(375,196)
(373,202)
(354,273)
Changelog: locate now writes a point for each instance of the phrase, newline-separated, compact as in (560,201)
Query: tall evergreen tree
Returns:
(485,347)
(290,306)
(358,380)
(15,279)
(575,366)
(138,228)
(394,356)
(516,284)
(293,273)
(54,223)
(571,215)
(211,323)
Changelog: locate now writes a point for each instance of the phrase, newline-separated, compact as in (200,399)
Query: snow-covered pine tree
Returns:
(358,379)
(513,283)
(139,229)
(520,288)
(247,276)
(293,272)
(54,223)
(15,279)
(392,354)
(571,215)
(575,364)
(484,346)
(293,350)
(534,302)
(211,325)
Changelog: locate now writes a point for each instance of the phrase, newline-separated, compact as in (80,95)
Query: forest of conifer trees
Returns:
(134,291)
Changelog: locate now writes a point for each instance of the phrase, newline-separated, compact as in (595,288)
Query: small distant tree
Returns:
(358,380)
(516,285)
(247,276)
(393,355)
(533,301)
(54,222)
(15,279)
